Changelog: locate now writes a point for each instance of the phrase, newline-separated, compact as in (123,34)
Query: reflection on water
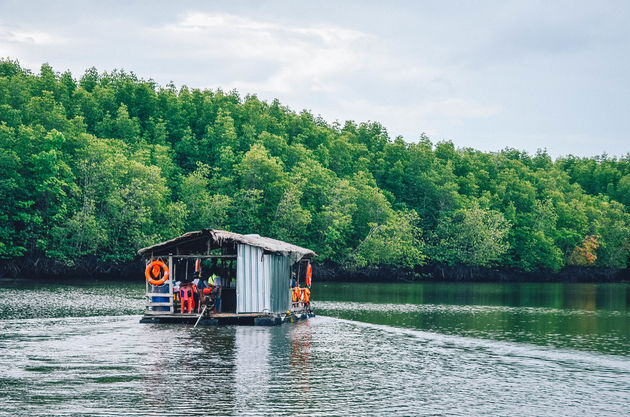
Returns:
(22,300)
(588,297)
(252,367)
(592,317)
(413,363)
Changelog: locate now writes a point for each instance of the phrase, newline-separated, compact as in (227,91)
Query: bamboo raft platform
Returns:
(258,280)
(222,319)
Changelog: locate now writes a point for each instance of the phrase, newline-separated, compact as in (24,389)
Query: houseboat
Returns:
(214,277)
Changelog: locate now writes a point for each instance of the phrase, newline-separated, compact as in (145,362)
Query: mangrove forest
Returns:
(96,167)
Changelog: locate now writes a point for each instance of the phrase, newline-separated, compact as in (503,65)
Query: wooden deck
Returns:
(219,319)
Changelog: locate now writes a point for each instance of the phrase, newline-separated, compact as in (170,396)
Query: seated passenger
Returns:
(201,284)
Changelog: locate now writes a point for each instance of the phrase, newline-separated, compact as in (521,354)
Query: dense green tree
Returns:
(470,236)
(107,163)
(398,242)
(622,193)
(204,209)
(291,220)
(613,227)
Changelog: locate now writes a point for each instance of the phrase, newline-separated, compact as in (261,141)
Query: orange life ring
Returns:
(309,274)
(152,272)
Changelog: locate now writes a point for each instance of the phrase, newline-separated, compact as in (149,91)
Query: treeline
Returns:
(108,163)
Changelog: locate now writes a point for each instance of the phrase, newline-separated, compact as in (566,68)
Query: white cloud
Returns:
(197,21)
(337,72)
(305,58)
(458,109)
(21,43)
(233,36)
(34,37)
(432,117)
(40,38)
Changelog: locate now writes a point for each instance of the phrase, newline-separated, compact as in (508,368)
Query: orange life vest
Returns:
(309,275)
(297,292)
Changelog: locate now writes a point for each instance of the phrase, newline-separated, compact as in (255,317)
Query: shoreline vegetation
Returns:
(98,166)
(90,269)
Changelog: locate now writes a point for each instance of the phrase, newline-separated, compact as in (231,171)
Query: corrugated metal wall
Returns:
(280,273)
(262,281)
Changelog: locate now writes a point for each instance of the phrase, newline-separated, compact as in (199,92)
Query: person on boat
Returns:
(218,287)
(210,292)
(293,280)
(199,285)
(176,290)
(206,292)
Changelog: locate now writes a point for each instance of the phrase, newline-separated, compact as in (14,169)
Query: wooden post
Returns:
(147,301)
(171,280)
(200,316)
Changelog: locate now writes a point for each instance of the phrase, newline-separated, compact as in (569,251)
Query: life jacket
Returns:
(309,275)
(297,293)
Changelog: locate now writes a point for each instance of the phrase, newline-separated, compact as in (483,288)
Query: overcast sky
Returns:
(487,75)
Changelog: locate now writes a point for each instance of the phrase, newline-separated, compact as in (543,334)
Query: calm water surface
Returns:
(412,349)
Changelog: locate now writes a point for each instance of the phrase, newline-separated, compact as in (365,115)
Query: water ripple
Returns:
(431,361)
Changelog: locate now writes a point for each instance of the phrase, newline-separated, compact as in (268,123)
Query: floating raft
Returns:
(219,319)
(252,280)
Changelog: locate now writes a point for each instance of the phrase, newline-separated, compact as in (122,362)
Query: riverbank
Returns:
(327,271)
(89,267)
(92,269)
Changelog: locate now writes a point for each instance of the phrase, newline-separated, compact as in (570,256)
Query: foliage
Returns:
(585,254)
(396,242)
(108,163)
(470,236)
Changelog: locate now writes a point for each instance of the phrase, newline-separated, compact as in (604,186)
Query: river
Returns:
(374,349)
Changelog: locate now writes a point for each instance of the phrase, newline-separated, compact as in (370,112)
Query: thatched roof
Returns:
(199,241)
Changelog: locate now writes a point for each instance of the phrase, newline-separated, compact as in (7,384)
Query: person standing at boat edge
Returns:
(218,282)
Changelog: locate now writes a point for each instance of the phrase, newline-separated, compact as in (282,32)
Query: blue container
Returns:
(161,289)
